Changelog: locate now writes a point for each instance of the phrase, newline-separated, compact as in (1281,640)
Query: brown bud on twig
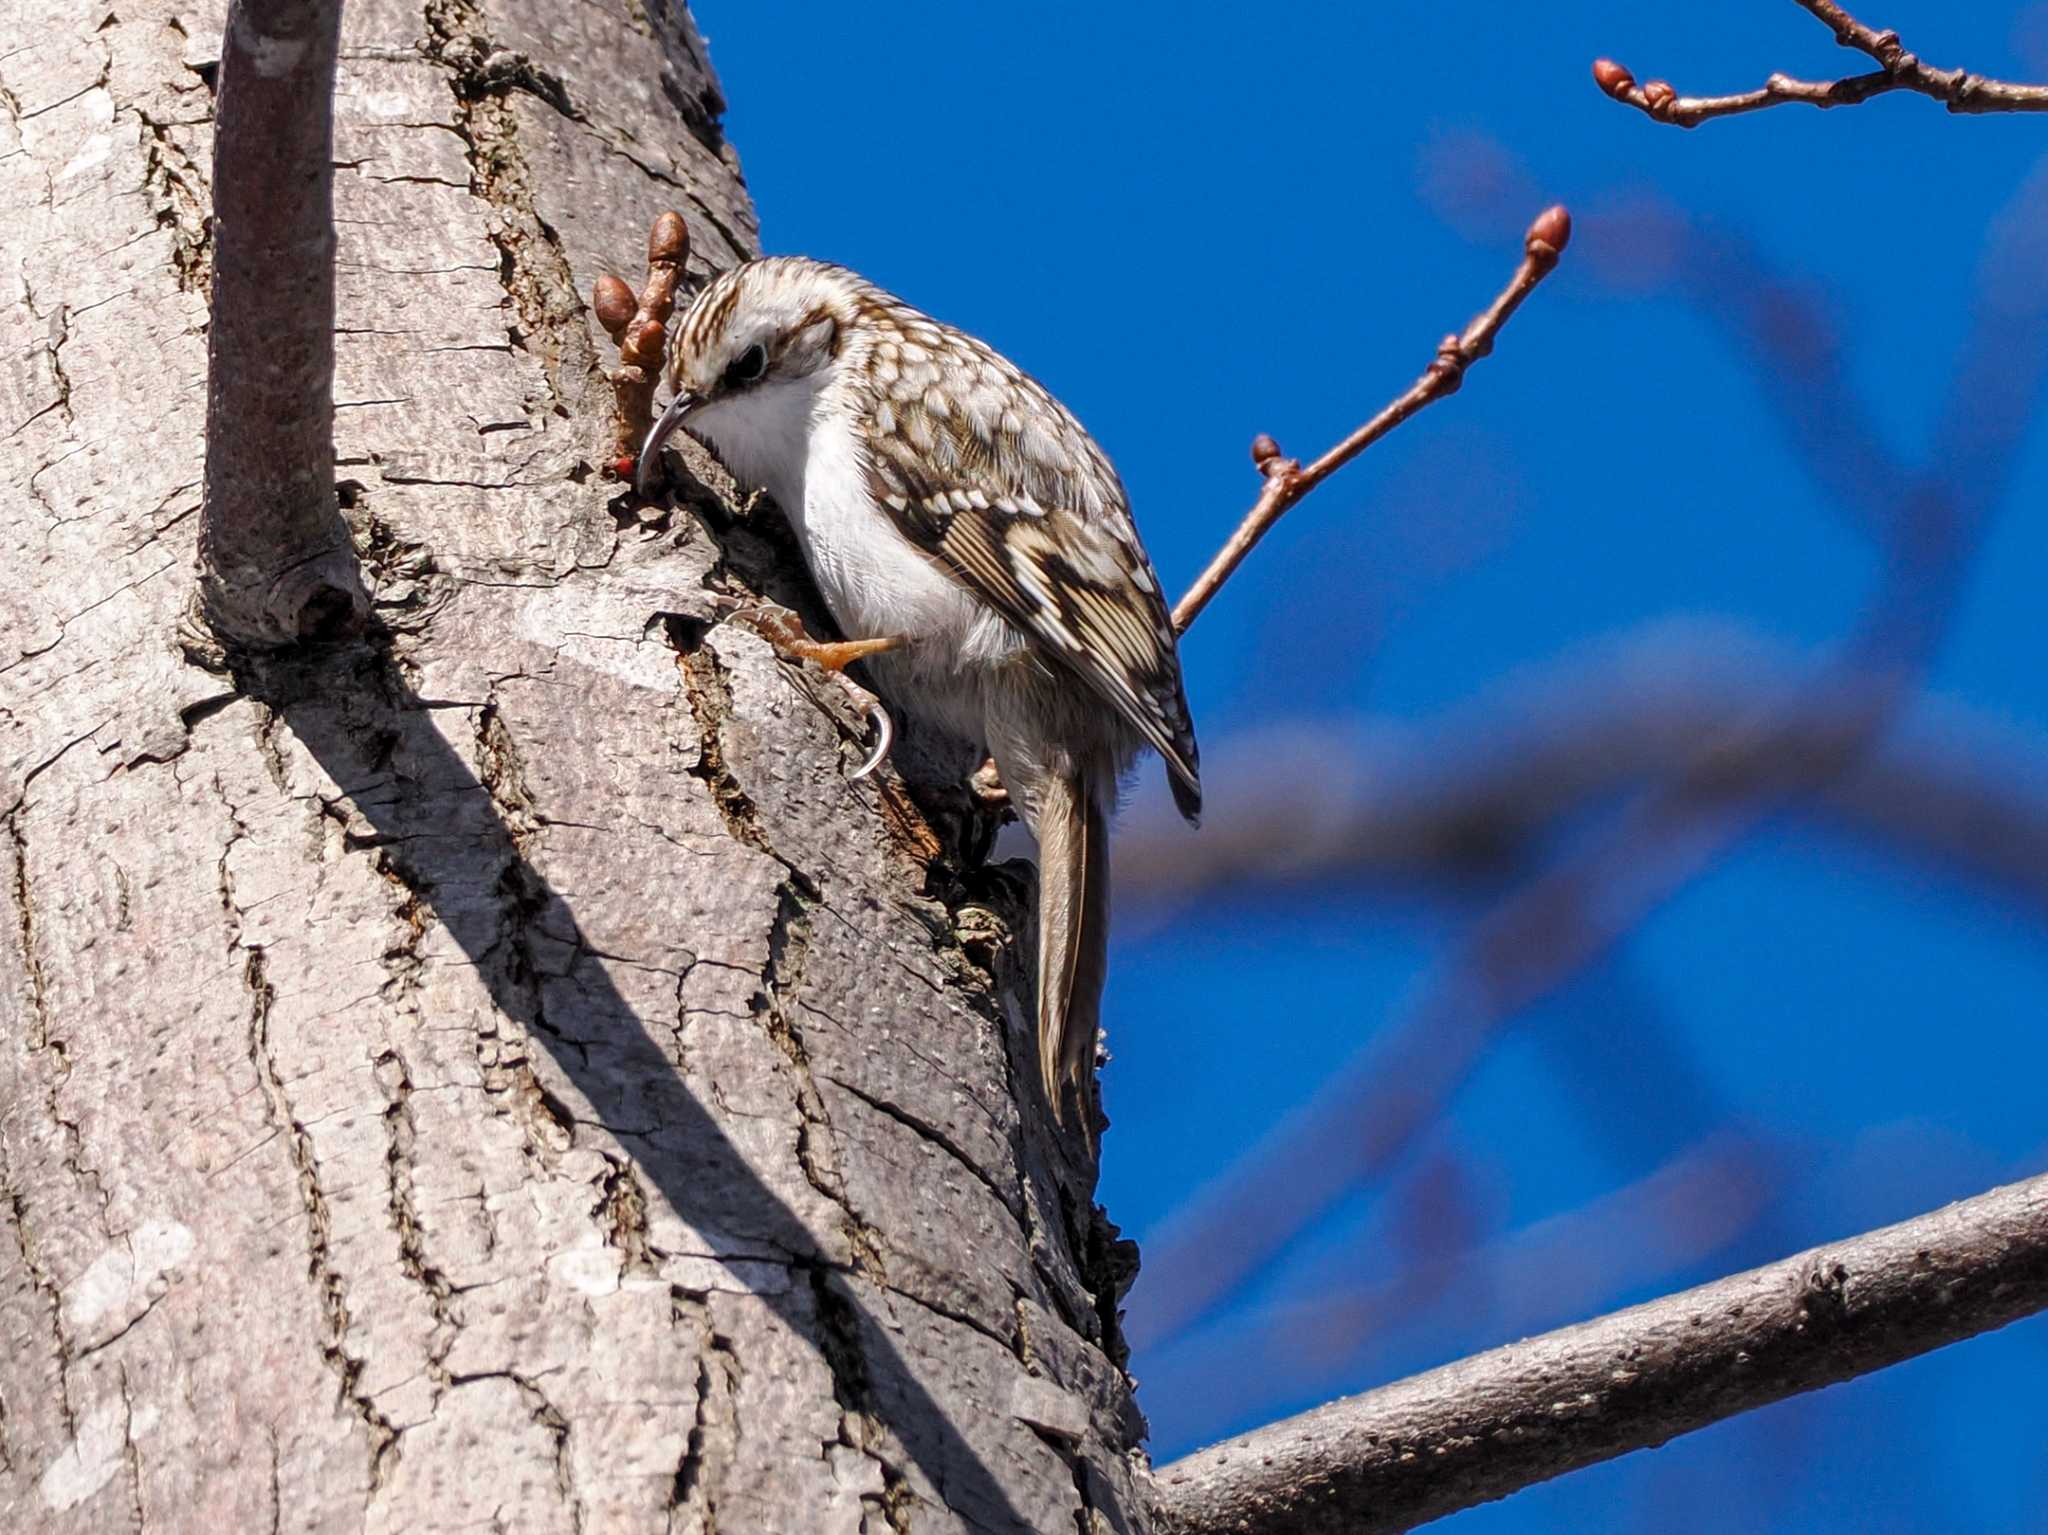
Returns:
(642,345)
(1658,96)
(614,303)
(1612,77)
(639,328)
(1447,372)
(668,242)
(1549,234)
(1274,465)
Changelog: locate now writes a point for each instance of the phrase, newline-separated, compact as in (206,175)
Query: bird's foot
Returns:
(785,631)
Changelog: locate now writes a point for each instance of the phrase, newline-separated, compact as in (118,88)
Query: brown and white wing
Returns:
(995,479)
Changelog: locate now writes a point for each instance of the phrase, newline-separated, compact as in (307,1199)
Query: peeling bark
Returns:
(498,1071)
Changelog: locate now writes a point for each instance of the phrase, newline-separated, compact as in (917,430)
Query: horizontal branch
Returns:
(1898,70)
(1287,481)
(1492,1424)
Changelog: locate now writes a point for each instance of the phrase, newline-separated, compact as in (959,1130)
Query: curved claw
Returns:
(885,737)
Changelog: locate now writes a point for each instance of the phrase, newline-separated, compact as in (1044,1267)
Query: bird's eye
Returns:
(747,367)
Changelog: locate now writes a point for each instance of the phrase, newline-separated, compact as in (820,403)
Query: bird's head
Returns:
(757,341)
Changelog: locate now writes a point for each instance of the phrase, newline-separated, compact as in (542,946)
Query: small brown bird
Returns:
(976,546)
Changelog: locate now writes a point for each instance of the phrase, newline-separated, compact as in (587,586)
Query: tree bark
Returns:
(496,1072)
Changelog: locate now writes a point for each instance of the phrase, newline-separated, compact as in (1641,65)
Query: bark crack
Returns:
(401,1134)
(328,1283)
(776,1007)
(131,1454)
(709,696)
(276,1492)
(545,1413)
(149,1305)
(41,1034)
(1087,1519)
(714,1428)
(56,325)
(861,1426)
(692,1492)
(181,194)
(935,1137)
(508,1073)
(64,627)
(533,267)
(960,1318)
(44,1286)
(621,1212)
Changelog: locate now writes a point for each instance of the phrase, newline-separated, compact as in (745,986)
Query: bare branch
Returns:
(1287,481)
(275,562)
(1898,70)
(1492,1424)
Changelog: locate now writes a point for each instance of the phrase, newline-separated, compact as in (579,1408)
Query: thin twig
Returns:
(1287,481)
(1490,1425)
(1898,70)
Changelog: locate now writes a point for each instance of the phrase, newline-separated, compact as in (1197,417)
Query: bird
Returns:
(977,549)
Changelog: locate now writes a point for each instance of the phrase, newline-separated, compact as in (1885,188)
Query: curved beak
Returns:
(650,450)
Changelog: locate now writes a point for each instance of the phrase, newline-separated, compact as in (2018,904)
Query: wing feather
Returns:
(994,478)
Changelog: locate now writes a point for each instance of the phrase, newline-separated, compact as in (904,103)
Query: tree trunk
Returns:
(498,1072)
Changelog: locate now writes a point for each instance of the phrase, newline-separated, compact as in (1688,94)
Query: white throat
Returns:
(764,435)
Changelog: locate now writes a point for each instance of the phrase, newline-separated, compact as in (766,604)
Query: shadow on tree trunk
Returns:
(355,712)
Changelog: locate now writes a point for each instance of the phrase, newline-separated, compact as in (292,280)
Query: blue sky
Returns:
(1197,222)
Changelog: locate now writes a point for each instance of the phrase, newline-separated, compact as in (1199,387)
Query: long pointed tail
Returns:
(1073,937)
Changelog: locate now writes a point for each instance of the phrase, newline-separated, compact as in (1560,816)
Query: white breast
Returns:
(874,580)
(802,445)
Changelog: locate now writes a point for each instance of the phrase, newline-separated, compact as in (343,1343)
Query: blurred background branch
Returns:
(1756,759)
(1451,806)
